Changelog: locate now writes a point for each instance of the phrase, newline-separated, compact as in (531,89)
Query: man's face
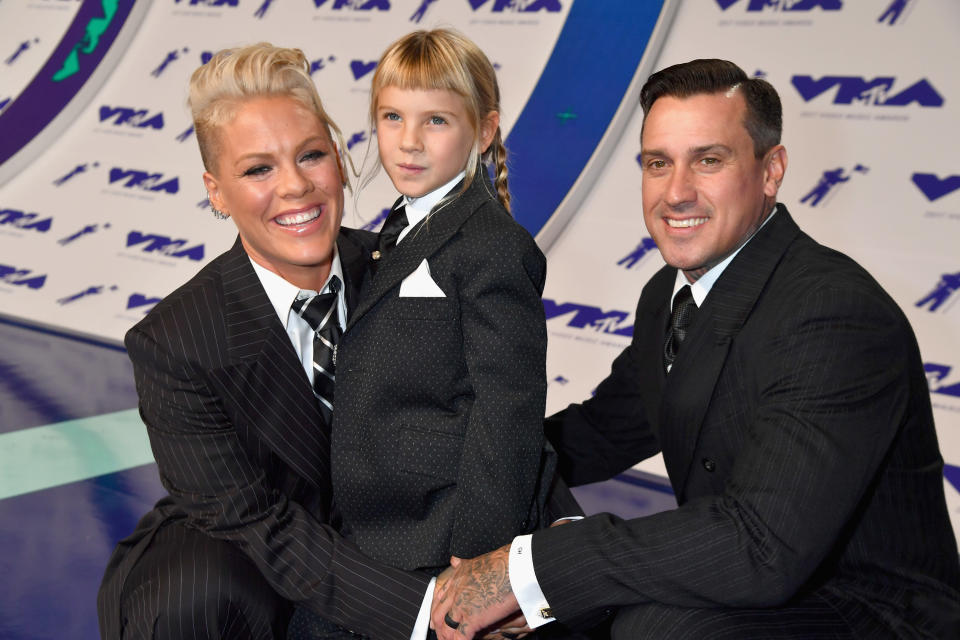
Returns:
(704,191)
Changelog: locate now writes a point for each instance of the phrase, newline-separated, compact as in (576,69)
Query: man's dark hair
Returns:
(764,119)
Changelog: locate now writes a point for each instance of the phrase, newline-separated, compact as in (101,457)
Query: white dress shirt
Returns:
(523,578)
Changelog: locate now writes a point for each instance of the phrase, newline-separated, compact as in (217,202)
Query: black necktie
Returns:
(320,312)
(389,233)
(684,309)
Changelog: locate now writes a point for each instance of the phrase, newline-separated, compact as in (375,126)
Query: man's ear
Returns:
(774,168)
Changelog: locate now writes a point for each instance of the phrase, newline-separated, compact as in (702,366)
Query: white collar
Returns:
(704,283)
(419,208)
(282,293)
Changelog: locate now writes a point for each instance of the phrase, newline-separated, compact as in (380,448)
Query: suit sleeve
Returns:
(210,476)
(832,389)
(504,345)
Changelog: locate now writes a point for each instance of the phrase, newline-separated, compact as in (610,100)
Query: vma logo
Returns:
(933,186)
(21,277)
(26,221)
(590,318)
(127,116)
(830,180)
(784,5)
(948,285)
(937,379)
(354,5)
(154,243)
(876,92)
(135,179)
(521,6)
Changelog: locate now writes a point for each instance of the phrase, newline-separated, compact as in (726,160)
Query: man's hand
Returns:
(477,596)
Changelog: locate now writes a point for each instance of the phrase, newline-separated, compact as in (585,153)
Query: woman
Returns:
(239,433)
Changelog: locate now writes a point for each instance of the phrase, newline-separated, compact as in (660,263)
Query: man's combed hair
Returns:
(219,87)
(764,117)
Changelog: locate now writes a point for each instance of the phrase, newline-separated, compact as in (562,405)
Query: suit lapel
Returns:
(266,376)
(420,243)
(689,387)
(354,258)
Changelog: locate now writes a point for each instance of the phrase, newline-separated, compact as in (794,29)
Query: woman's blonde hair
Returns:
(445,59)
(219,87)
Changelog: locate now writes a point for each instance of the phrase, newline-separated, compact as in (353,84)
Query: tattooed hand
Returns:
(477,595)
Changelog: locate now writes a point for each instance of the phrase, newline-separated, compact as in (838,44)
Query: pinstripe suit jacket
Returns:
(438,434)
(243,451)
(798,436)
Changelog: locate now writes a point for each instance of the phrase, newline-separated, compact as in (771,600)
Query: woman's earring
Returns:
(219,215)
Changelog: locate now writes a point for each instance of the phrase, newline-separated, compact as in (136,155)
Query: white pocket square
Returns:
(419,284)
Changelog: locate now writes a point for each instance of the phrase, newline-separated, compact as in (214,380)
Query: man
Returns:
(786,392)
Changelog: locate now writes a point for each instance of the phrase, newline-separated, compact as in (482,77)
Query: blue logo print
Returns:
(828,181)
(141,302)
(210,3)
(421,10)
(785,5)
(524,6)
(361,68)
(90,228)
(77,170)
(137,118)
(892,14)
(21,277)
(356,5)
(89,291)
(947,286)
(24,220)
(21,48)
(170,57)
(320,63)
(646,246)
(374,224)
(878,92)
(184,135)
(933,187)
(5,102)
(588,317)
(164,245)
(936,374)
(135,179)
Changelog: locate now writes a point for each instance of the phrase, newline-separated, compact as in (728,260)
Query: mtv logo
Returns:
(785,5)
(523,6)
(155,243)
(138,118)
(21,277)
(135,179)
(24,220)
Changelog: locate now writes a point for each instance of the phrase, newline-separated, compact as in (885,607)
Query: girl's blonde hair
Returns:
(219,87)
(445,59)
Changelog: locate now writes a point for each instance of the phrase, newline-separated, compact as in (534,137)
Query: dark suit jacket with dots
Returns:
(797,432)
(438,428)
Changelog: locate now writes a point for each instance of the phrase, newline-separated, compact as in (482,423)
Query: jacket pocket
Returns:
(433,454)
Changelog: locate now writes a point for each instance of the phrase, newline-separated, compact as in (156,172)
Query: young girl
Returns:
(441,383)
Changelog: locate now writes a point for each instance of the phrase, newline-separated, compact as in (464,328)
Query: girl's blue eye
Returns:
(437,120)
(391,116)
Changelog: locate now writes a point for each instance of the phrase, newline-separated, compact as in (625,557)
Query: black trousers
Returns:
(188,586)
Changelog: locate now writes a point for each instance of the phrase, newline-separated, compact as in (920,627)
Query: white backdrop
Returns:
(101,215)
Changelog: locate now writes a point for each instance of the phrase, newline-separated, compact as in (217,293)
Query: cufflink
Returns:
(375,255)
(546,612)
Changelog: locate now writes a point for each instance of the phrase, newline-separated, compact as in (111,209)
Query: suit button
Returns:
(709,465)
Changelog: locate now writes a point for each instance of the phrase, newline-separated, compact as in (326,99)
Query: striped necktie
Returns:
(684,309)
(320,312)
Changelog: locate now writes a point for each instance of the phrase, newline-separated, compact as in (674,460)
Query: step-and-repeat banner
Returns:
(103,212)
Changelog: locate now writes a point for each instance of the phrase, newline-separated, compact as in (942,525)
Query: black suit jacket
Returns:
(438,431)
(243,451)
(798,436)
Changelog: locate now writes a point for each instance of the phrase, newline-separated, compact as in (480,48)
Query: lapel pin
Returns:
(375,255)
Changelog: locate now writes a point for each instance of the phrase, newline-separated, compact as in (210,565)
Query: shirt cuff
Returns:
(523,581)
(422,625)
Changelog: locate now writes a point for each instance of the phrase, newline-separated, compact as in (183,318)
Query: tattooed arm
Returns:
(478,596)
